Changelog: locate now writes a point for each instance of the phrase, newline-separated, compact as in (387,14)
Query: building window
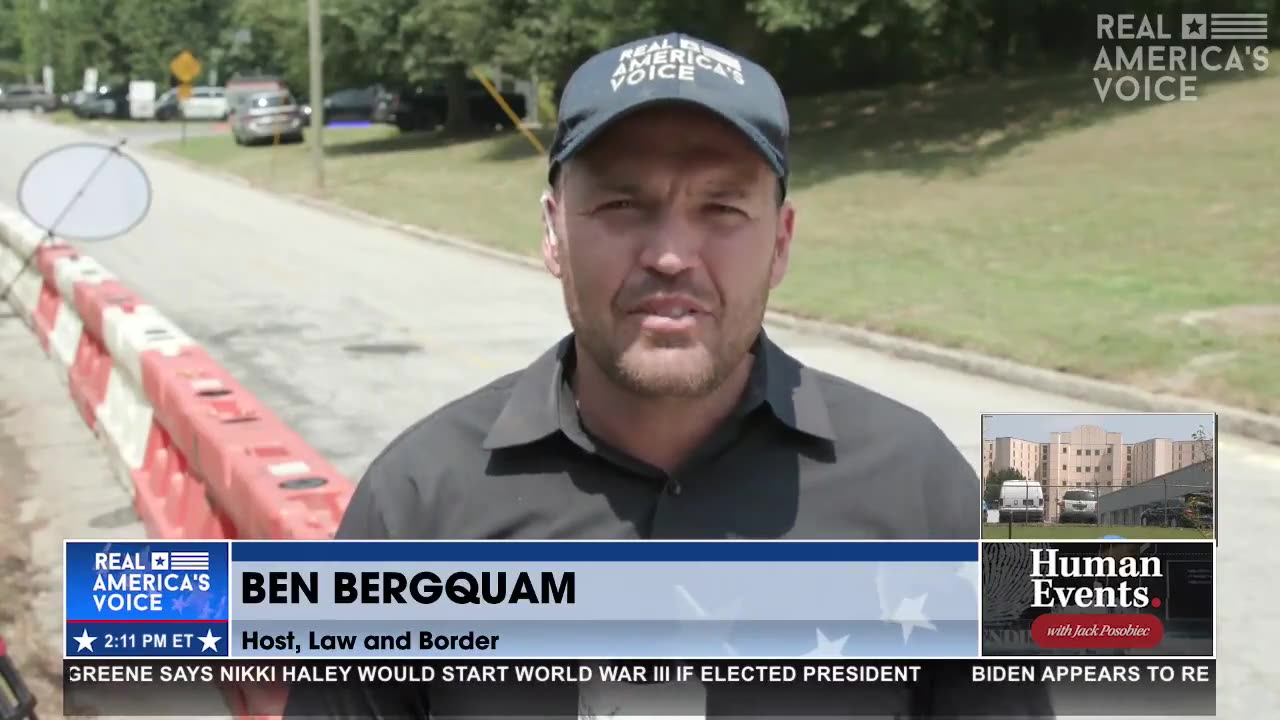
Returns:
(1078,451)
(1108,467)
(1108,451)
(1064,467)
(1064,451)
(1077,468)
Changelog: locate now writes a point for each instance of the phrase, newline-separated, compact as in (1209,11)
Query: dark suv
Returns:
(1193,510)
(27,97)
(111,101)
(425,108)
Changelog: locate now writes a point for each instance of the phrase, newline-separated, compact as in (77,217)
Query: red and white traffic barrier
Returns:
(203,458)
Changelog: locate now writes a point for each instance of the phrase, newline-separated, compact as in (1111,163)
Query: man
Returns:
(668,412)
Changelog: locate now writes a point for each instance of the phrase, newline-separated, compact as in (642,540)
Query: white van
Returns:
(1021,501)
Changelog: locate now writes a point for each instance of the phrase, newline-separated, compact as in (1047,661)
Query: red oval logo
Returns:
(1099,632)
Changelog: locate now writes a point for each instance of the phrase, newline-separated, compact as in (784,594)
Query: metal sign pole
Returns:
(317,90)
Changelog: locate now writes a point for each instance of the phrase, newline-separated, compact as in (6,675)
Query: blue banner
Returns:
(147,599)
(523,599)
(599,599)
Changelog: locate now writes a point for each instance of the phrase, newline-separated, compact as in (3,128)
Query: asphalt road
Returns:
(140,132)
(351,333)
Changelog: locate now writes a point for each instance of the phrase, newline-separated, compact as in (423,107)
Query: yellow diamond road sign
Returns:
(185,67)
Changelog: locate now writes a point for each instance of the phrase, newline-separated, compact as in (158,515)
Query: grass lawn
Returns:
(994,531)
(1017,217)
(64,117)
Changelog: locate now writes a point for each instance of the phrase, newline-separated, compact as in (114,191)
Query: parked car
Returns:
(112,101)
(73,100)
(27,97)
(205,103)
(425,108)
(367,104)
(241,86)
(265,116)
(1078,506)
(1193,510)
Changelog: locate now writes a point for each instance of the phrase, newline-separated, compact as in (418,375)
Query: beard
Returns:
(655,366)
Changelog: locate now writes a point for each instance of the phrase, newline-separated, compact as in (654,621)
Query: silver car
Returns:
(266,116)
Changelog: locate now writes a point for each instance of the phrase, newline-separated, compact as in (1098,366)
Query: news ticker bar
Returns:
(747,688)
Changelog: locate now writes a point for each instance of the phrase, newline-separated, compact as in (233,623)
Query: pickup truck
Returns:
(426,108)
(27,97)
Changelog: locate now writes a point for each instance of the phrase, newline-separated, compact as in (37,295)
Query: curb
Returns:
(1247,423)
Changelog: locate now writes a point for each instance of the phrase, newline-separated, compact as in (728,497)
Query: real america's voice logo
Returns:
(135,581)
(1150,58)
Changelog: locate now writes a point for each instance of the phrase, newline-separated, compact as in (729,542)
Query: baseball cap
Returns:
(672,68)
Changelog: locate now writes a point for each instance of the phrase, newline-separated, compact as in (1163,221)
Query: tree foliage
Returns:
(811,45)
(997,478)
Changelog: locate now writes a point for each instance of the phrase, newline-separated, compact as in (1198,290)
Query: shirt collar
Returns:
(541,402)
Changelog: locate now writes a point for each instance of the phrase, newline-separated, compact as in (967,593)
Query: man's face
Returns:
(667,236)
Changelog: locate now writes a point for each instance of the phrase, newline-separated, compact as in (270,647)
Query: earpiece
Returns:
(546,216)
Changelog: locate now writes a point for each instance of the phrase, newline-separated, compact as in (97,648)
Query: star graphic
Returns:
(1193,26)
(971,573)
(910,615)
(84,640)
(209,641)
(725,615)
(827,648)
(179,604)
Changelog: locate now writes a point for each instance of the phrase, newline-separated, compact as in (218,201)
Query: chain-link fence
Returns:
(1169,502)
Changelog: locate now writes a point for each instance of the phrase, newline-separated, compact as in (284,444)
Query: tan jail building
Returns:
(1087,457)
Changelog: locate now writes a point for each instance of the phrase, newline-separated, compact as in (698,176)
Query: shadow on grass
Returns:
(954,126)
(958,125)
(427,140)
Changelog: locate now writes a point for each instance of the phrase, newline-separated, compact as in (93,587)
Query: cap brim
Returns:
(594,127)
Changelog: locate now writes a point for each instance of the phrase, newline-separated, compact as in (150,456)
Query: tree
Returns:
(997,478)
(266,37)
(12,69)
(1204,446)
(1203,452)
(154,32)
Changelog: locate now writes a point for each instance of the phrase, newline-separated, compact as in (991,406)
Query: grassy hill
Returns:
(1020,217)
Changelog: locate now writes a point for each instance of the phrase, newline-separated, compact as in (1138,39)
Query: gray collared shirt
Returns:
(806,455)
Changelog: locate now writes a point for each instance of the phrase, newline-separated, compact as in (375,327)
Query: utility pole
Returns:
(46,73)
(317,90)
